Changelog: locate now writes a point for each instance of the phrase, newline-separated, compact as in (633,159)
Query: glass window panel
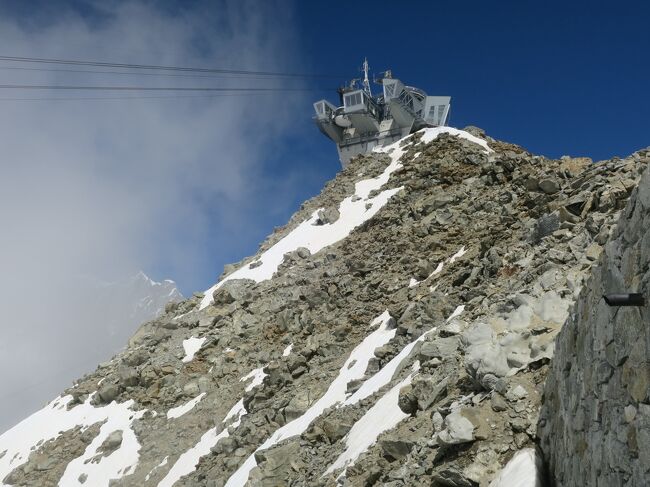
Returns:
(441,113)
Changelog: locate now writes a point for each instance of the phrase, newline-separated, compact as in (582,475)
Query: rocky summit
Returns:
(398,331)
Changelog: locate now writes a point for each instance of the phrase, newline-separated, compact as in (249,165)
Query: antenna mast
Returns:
(366,81)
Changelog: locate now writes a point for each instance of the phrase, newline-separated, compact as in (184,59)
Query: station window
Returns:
(353,99)
(441,114)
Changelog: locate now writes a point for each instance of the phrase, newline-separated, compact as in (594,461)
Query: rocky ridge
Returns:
(412,351)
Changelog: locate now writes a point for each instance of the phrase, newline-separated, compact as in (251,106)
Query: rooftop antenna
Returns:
(366,81)
(388,74)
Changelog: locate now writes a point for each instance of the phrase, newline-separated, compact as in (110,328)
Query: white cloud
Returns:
(105,187)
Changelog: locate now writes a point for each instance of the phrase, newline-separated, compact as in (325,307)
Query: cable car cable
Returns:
(74,62)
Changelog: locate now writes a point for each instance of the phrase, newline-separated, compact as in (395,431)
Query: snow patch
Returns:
(458,255)
(179,411)
(437,270)
(191,346)
(384,415)
(287,351)
(161,464)
(523,470)
(188,461)
(385,375)
(54,419)
(451,260)
(353,369)
(430,134)
(413,282)
(457,312)
(258,377)
(352,211)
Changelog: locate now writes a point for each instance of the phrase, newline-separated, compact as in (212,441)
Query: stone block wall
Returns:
(594,425)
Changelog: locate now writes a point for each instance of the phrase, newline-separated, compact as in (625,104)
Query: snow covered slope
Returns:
(395,332)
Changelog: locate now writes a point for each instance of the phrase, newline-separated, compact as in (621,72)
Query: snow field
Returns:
(48,423)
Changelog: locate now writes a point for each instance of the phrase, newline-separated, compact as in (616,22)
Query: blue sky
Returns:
(555,77)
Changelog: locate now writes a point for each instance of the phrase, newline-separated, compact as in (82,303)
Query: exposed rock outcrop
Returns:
(402,339)
(595,420)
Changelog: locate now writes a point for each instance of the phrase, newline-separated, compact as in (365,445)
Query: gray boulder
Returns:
(396,449)
(327,216)
(428,390)
(111,443)
(335,429)
(549,186)
(108,392)
(440,348)
(452,477)
(128,376)
(233,290)
(457,429)
(545,226)
(298,404)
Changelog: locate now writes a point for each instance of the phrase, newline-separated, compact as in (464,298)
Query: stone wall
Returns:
(594,425)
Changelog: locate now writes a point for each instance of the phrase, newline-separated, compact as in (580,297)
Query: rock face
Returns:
(595,418)
(397,331)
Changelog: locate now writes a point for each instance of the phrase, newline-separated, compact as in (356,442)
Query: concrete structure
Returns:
(365,121)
